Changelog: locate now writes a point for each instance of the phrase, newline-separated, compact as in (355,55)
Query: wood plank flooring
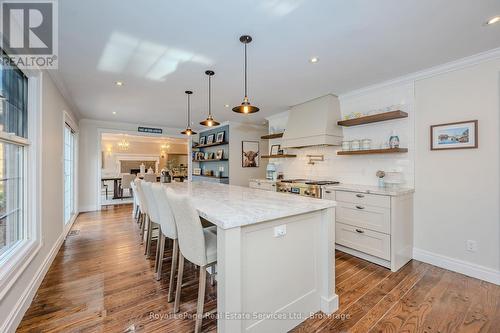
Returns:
(100,281)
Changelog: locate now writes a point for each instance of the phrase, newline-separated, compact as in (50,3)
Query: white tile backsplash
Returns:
(359,169)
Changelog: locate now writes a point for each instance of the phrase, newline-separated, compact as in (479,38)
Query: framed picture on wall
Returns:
(203,140)
(458,135)
(210,139)
(220,137)
(249,154)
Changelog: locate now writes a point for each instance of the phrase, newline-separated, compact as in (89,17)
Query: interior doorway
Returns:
(126,156)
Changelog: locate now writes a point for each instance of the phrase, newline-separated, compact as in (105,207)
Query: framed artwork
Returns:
(275,149)
(249,154)
(459,135)
(220,154)
(203,140)
(220,137)
(210,139)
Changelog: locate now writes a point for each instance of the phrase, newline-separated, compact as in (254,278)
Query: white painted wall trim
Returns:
(22,305)
(459,266)
(426,73)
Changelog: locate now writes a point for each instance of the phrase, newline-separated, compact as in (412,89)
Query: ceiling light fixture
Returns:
(114,112)
(119,83)
(245,106)
(493,20)
(210,119)
(314,60)
(226,105)
(188,131)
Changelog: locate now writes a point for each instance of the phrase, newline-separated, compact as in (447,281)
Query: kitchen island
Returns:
(275,255)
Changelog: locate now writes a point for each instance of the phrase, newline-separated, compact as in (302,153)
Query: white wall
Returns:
(239,132)
(90,155)
(457,191)
(358,169)
(18,299)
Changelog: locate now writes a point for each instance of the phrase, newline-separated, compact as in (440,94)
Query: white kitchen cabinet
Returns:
(263,184)
(375,227)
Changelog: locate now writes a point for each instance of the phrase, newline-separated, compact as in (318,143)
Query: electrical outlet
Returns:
(471,246)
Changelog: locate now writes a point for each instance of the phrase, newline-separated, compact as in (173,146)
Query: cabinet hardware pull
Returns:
(360,207)
(360,195)
(273,185)
(359,231)
(328,191)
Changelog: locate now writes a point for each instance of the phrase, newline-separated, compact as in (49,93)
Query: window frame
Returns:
(16,259)
(68,121)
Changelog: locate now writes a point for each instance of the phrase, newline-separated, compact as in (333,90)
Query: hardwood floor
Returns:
(100,281)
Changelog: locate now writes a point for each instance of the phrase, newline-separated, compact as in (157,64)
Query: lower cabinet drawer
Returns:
(266,186)
(371,242)
(367,217)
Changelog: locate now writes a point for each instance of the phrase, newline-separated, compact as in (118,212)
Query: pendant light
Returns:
(210,119)
(245,107)
(188,130)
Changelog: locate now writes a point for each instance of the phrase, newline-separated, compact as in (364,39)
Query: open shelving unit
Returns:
(373,151)
(212,160)
(375,118)
(272,136)
(211,145)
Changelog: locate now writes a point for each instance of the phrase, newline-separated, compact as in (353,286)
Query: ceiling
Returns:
(159,49)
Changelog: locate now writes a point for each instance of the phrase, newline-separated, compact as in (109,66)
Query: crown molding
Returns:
(476,59)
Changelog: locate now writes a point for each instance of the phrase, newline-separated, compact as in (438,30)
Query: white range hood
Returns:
(314,123)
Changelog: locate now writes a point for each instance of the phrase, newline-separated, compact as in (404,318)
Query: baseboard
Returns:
(459,266)
(22,305)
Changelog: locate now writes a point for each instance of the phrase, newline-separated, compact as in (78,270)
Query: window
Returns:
(69,173)
(13,147)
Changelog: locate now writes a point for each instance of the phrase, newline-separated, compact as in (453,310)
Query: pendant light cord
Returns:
(246,95)
(189,112)
(209,96)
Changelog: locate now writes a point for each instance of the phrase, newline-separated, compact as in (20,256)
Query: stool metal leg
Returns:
(179,283)
(201,298)
(175,256)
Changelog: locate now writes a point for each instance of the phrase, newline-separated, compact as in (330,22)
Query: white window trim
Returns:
(67,119)
(20,256)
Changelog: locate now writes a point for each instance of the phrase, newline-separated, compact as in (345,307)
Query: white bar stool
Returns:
(198,245)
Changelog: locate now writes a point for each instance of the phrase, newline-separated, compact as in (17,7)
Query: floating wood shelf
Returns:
(212,160)
(210,176)
(375,118)
(373,151)
(211,144)
(272,136)
(279,156)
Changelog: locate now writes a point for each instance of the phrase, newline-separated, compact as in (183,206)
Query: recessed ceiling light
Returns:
(314,60)
(114,112)
(226,105)
(493,20)
(119,83)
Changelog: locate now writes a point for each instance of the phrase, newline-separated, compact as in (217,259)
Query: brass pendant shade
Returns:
(209,122)
(245,106)
(188,131)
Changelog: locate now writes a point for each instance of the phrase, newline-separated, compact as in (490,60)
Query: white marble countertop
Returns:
(229,206)
(369,189)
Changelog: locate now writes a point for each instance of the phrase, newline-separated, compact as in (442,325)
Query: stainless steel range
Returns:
(304,187)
